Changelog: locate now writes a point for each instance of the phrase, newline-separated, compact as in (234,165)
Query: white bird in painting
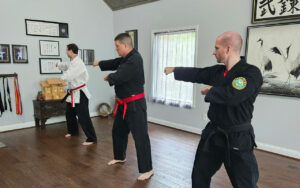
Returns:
(265,64)
(292,66)
(278,51)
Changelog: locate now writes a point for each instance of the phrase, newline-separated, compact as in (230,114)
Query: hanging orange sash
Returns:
(19,108)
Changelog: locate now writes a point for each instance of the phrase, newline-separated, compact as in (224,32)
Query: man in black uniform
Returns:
(131,109)
(229,137)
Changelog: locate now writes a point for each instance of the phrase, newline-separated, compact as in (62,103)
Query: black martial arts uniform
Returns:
(229,137)
(129,81)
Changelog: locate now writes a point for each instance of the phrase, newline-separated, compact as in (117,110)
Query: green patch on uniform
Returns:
(239,83)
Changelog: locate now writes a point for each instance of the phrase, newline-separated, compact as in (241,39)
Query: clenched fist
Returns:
(205,90)
(106,78)
(96,63)
(169,70)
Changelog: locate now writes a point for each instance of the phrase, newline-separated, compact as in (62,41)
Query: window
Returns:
(176,48)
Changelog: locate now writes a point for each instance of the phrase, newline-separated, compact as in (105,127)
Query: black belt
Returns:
(65,97)
(1,105)
(8,95)
(5,104)
(214,129)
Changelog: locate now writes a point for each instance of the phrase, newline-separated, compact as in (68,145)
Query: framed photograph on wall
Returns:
(48,66)
(19,53)
(49,48)
(4,53)
(46,28)
(275,50)
(274,10)
(134,36)
(88,56)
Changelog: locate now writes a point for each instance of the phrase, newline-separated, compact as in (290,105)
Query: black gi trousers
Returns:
(242,171)
(80,110)
(136,122)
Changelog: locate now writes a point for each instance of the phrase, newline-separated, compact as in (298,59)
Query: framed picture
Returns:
(134,36)
(88,56)
(4,53)
(275,50)
(19,53)
(46,28)
(274,10)
(48,66)
(49,48)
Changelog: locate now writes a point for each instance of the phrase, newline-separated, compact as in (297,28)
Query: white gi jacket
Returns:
(75,74)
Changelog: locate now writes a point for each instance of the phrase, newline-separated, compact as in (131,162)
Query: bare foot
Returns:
(68,135)
(87,143)
(112,162)
(146,175)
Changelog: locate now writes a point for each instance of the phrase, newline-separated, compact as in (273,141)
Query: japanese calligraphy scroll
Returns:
(275,10)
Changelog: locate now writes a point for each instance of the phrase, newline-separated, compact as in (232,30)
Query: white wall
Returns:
(90,26)
(276,119)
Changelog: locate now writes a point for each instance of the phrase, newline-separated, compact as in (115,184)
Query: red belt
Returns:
(71,91)
(19,107)
(125,101)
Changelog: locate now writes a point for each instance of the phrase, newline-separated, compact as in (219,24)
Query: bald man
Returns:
(229,136)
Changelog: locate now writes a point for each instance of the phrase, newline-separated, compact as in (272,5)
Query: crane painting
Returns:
(275,50)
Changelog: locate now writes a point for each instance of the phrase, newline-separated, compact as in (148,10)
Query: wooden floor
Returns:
(44,158)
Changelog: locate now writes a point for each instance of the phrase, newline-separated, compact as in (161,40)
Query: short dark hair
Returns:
(124,38)
(73,47)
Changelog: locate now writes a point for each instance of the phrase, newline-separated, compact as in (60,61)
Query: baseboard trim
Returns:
(29,124)
(278,150)
(262,146)
(175,125)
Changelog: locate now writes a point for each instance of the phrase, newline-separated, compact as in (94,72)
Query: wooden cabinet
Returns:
(44,110)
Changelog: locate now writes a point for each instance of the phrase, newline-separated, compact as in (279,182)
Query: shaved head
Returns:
(124,38)
(233,39)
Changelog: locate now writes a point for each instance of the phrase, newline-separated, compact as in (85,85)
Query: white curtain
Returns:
(172,49)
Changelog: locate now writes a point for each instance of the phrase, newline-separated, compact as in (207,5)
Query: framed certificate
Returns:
(49,48)
(46,28)
(48,66)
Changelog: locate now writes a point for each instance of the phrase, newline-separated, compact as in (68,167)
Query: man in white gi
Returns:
(76,75)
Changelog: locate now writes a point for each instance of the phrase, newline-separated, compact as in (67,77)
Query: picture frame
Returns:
(88,56)
(49,48)
(275,50)
(134,36)
(48,65)
(4,53)
(19,53)
(46,28)
(274,10)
